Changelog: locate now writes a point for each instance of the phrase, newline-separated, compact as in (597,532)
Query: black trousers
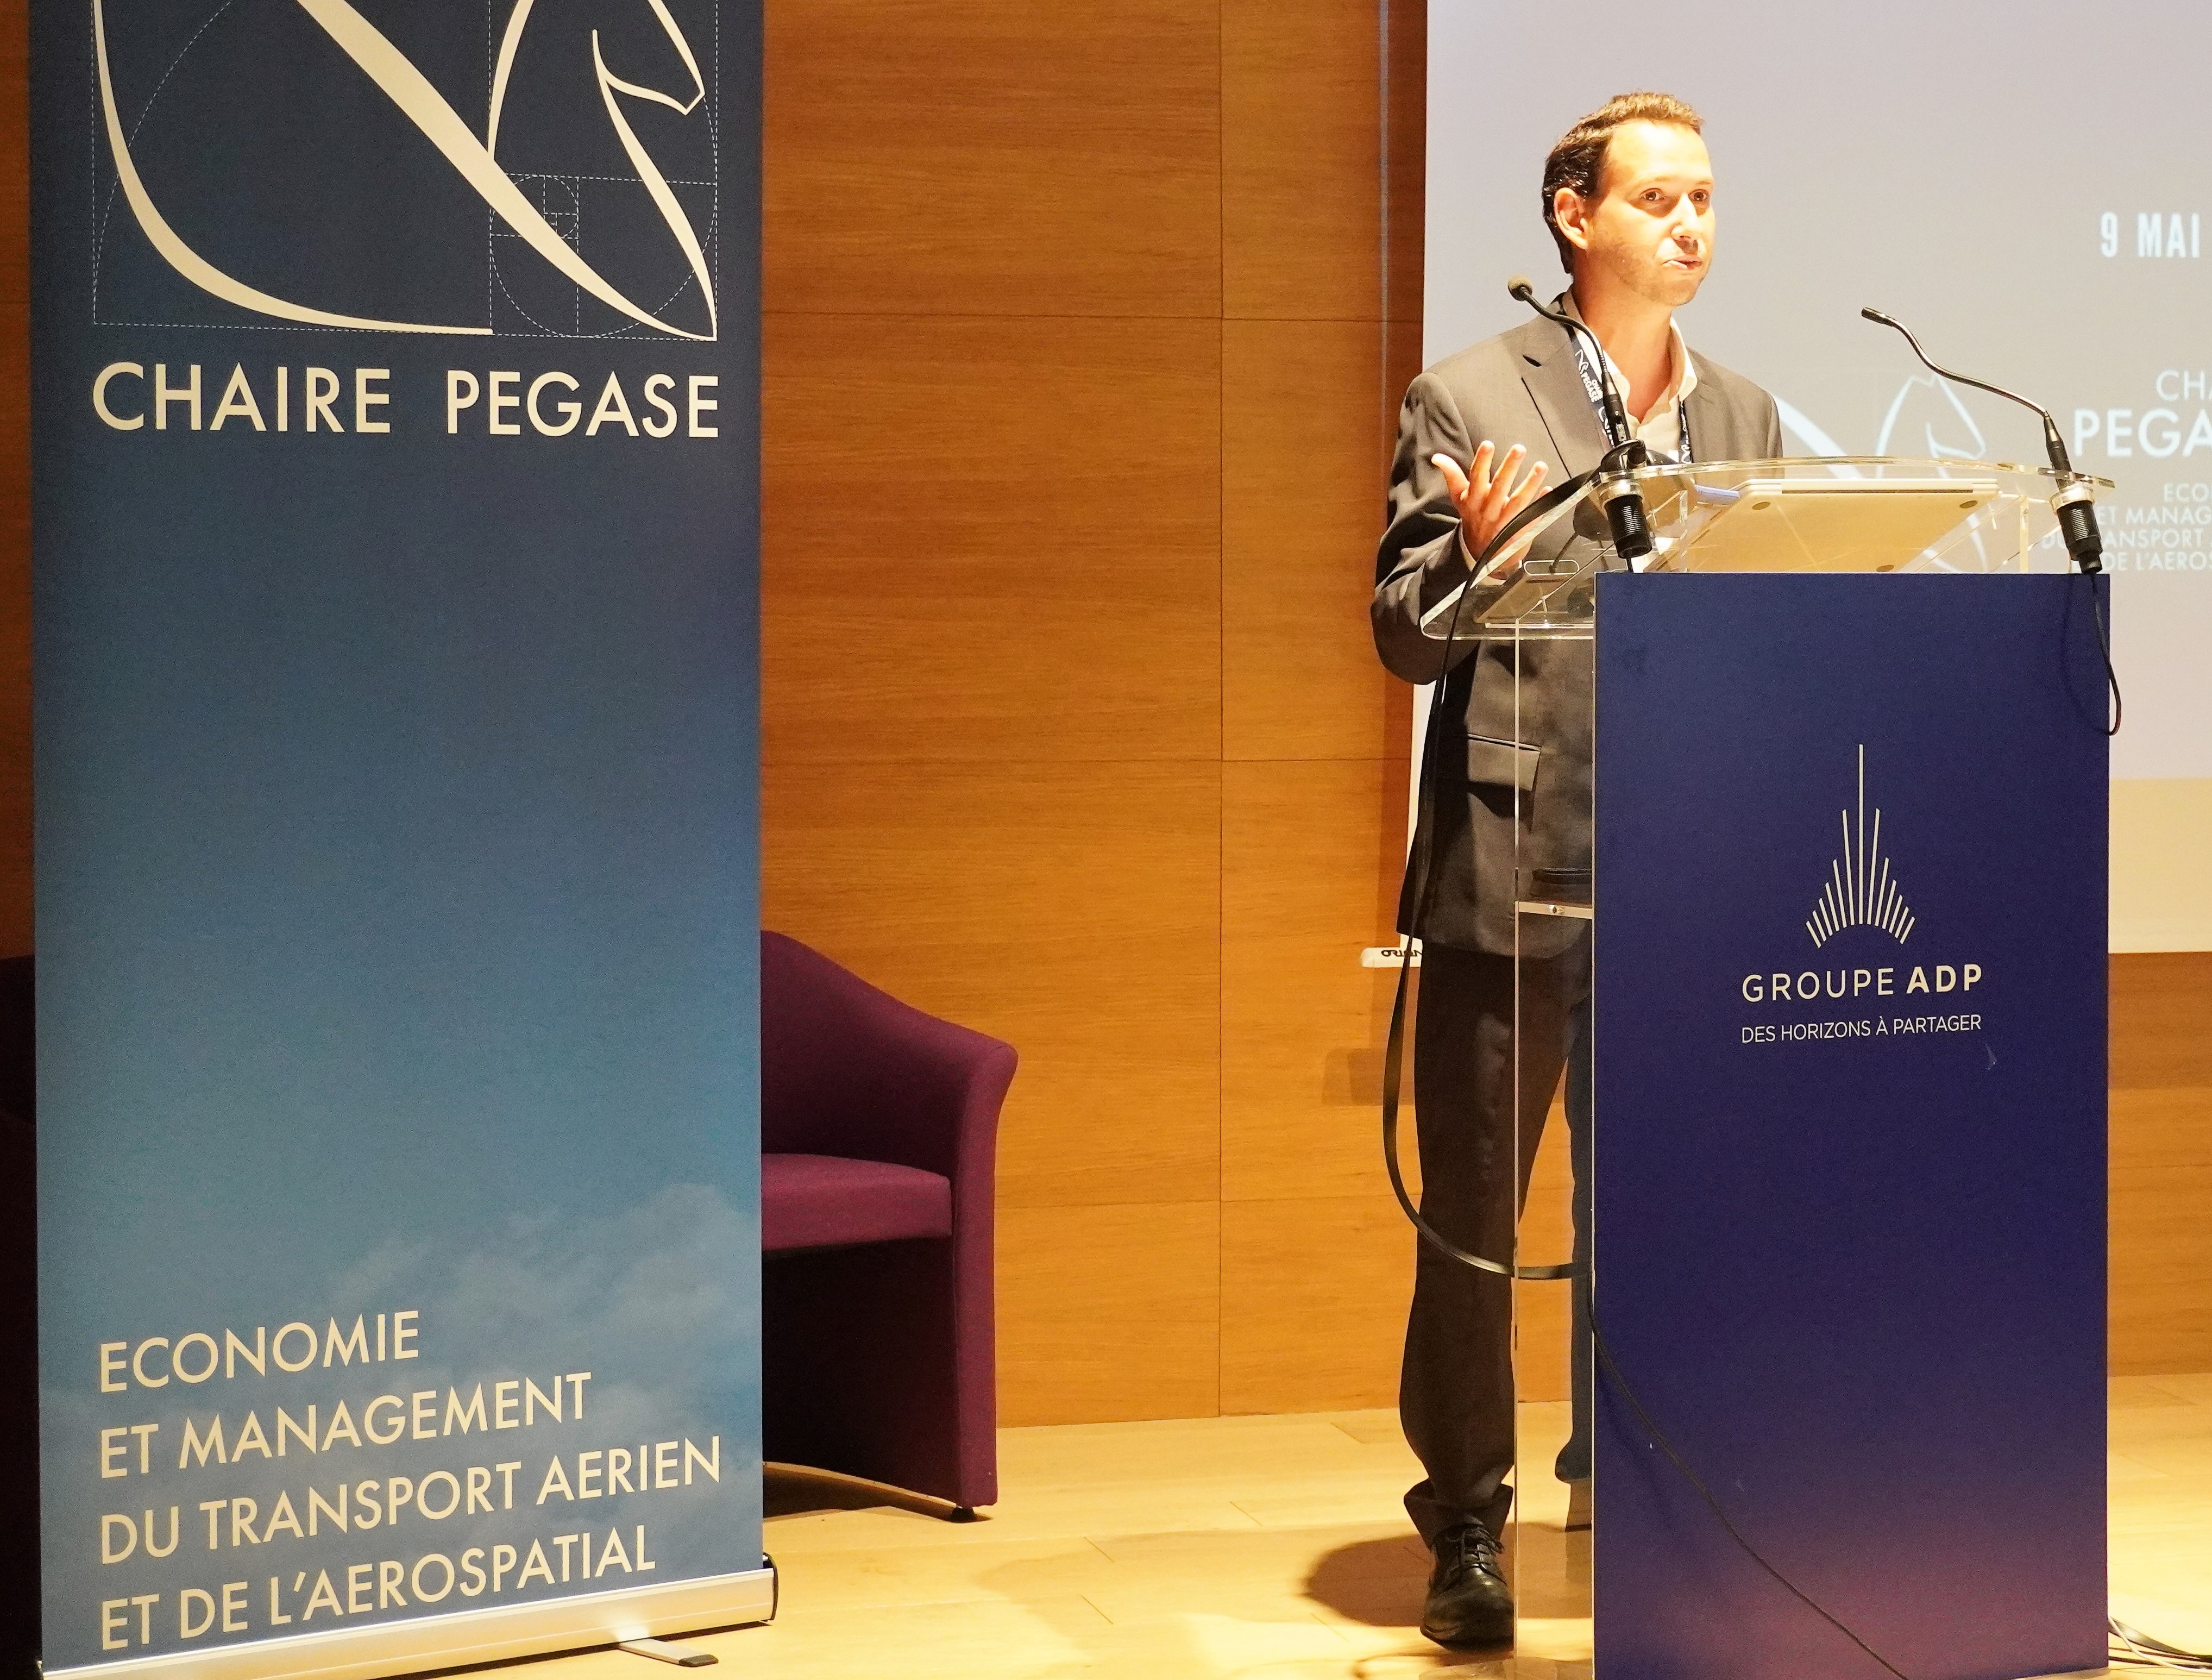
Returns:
(1478,1144)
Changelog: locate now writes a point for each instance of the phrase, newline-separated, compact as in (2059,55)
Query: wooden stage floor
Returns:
(1274,1547)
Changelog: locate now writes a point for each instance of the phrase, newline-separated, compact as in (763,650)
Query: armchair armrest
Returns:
(847,1069)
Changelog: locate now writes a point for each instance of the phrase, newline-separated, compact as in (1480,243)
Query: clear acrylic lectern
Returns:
(1528,629)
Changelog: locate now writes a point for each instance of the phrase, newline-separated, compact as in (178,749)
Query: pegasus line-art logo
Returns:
(546,168)
(1859,890)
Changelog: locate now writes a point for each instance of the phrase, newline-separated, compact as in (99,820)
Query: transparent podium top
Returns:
(1830,513)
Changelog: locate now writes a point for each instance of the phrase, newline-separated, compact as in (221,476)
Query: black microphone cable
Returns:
(2075,504)
(1612,1370)
(1624,507)
(2128,1647)
(2105,646)
(1421,874)
(1618,493)
(1617,431)
(2131,1648)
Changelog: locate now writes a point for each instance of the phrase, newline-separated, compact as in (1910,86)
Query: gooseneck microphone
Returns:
(1616,487)
(2075,504)
(1618,430)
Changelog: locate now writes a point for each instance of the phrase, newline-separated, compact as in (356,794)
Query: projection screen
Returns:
(2026,187)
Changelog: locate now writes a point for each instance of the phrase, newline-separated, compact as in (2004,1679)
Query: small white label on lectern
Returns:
(1388,956)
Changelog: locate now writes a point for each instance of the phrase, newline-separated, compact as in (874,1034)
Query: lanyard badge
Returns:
(1593,388)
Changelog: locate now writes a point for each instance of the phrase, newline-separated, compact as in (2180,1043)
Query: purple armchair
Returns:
(879,1129)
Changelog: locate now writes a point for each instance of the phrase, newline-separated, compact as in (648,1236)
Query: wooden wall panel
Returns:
(996,157)
(1071,910)
(1302,1334)
(1301,510)
(1078,394)
(1543,1311)
(991,615)
(1303,1024)
(1316,1264)
(1109,1313)
(990,540)
(2161,1186)
(1301,153)
(1405,128)
(15,484)
(1314,1293)
(2162,1241)
(2161,1021)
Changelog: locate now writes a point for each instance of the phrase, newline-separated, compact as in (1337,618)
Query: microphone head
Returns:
(1877,318)
(1520,288)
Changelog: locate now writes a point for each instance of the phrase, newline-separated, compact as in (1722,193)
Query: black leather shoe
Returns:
(1469,1606)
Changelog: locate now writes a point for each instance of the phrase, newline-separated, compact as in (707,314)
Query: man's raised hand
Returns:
(1485,499)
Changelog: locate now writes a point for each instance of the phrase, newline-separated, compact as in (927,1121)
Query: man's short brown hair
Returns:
(1577,162)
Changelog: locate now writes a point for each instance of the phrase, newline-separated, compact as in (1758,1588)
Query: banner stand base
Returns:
(662,1651)
(595,1620)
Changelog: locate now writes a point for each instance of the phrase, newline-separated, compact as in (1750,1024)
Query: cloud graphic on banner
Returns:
(1860,893)
(428,113)
(658,1301)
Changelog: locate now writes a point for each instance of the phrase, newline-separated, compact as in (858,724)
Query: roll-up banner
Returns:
(396,506)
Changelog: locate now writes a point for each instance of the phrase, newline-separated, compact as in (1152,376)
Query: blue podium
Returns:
(1847,890)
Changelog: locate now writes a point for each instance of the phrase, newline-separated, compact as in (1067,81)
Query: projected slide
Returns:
(2026,187)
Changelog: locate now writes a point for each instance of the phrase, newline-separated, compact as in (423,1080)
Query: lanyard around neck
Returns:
(1593,388)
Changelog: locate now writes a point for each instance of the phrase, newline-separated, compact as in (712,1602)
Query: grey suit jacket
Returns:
(1523,387)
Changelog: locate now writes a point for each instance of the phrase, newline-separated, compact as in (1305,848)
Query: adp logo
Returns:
(1861,907)
(1859,892)
(548,168)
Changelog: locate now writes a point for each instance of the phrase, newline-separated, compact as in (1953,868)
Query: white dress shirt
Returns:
(1661,429)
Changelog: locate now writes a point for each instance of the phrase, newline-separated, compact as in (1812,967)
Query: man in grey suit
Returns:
(1627,195)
